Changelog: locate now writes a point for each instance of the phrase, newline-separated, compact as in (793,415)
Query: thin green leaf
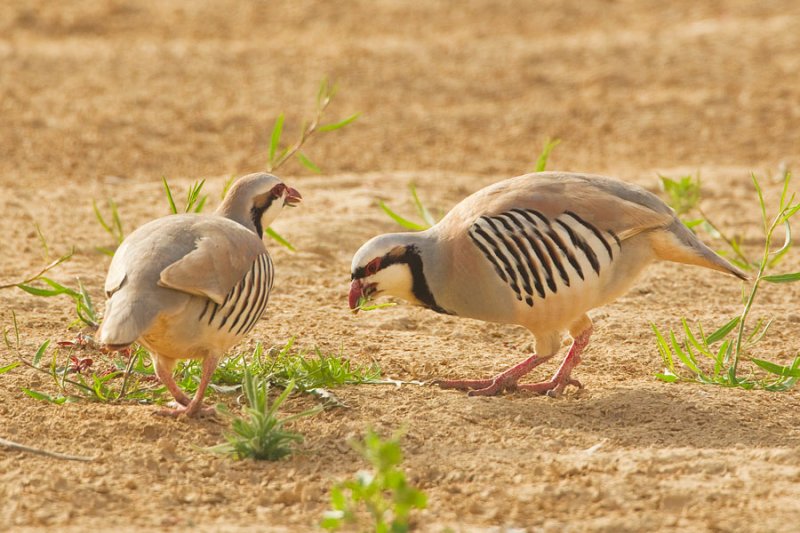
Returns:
(36,395)
(761,202)
(275,138)
(400,220)
(40,352)
(279,239)
(172,207)
(723,331)
(341,124)
(541,161)
(723,355)
(686,358)
(692,339)
(7,368)
(36,291)
(780,370)
(421,209)
(663,347)
(782,278)
(667,377)
(306,162)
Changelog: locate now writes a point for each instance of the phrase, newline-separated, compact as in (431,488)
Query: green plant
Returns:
(280,366)
(715,358)
(384,492)
(260,434)
(278,155)
(541,161)
(112,227)
(194,202)
(83,301)
(40,274)
(423,212)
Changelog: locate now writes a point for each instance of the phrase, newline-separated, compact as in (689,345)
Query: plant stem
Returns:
(754,290)
(42,272)
(304,135)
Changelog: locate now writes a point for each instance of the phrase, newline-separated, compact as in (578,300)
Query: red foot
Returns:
(508,380)
(501,382)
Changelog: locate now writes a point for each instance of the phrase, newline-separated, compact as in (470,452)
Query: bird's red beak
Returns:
(356,293)
(293,197)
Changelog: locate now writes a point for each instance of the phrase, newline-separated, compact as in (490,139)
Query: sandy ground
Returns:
(100,99)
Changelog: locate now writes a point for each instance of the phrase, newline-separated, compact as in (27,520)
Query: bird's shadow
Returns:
(657,416)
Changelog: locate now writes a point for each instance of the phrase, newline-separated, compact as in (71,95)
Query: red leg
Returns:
(561,379)
(194,407)
(164,369)
(504,381)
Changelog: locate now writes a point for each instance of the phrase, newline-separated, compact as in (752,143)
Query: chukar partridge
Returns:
(539,251)
(191,286)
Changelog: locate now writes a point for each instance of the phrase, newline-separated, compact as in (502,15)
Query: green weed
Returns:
(194,201)
(84,307)
(279,155)
(259,433)
(715,358)
(113,226)
(383,494)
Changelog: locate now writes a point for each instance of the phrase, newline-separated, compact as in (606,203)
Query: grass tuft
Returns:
(259,434)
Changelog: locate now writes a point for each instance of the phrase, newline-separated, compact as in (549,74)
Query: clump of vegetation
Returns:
(79,373)
(715,358)
(380,500)
(259,433)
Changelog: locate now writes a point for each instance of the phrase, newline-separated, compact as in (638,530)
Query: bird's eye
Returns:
(373,266)
(278,190)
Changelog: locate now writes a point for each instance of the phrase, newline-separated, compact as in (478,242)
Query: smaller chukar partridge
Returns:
(191,286)
(538,251)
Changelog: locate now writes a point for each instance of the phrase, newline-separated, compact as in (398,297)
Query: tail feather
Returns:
(124,321)
(678,244)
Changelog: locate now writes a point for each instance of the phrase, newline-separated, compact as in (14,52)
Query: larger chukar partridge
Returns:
(191,286)
(539,251)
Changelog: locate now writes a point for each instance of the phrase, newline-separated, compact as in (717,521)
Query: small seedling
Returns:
(423,212)
(260,434)
(541,161)
(278,156)
(382,497)
(194,202)
(719,365)
(112,227)
(683,194)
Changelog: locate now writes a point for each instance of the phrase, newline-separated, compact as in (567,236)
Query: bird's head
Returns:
(389,265)
(256,200)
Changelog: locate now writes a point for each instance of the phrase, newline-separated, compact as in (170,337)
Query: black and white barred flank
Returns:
(534,254)
(245,303)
